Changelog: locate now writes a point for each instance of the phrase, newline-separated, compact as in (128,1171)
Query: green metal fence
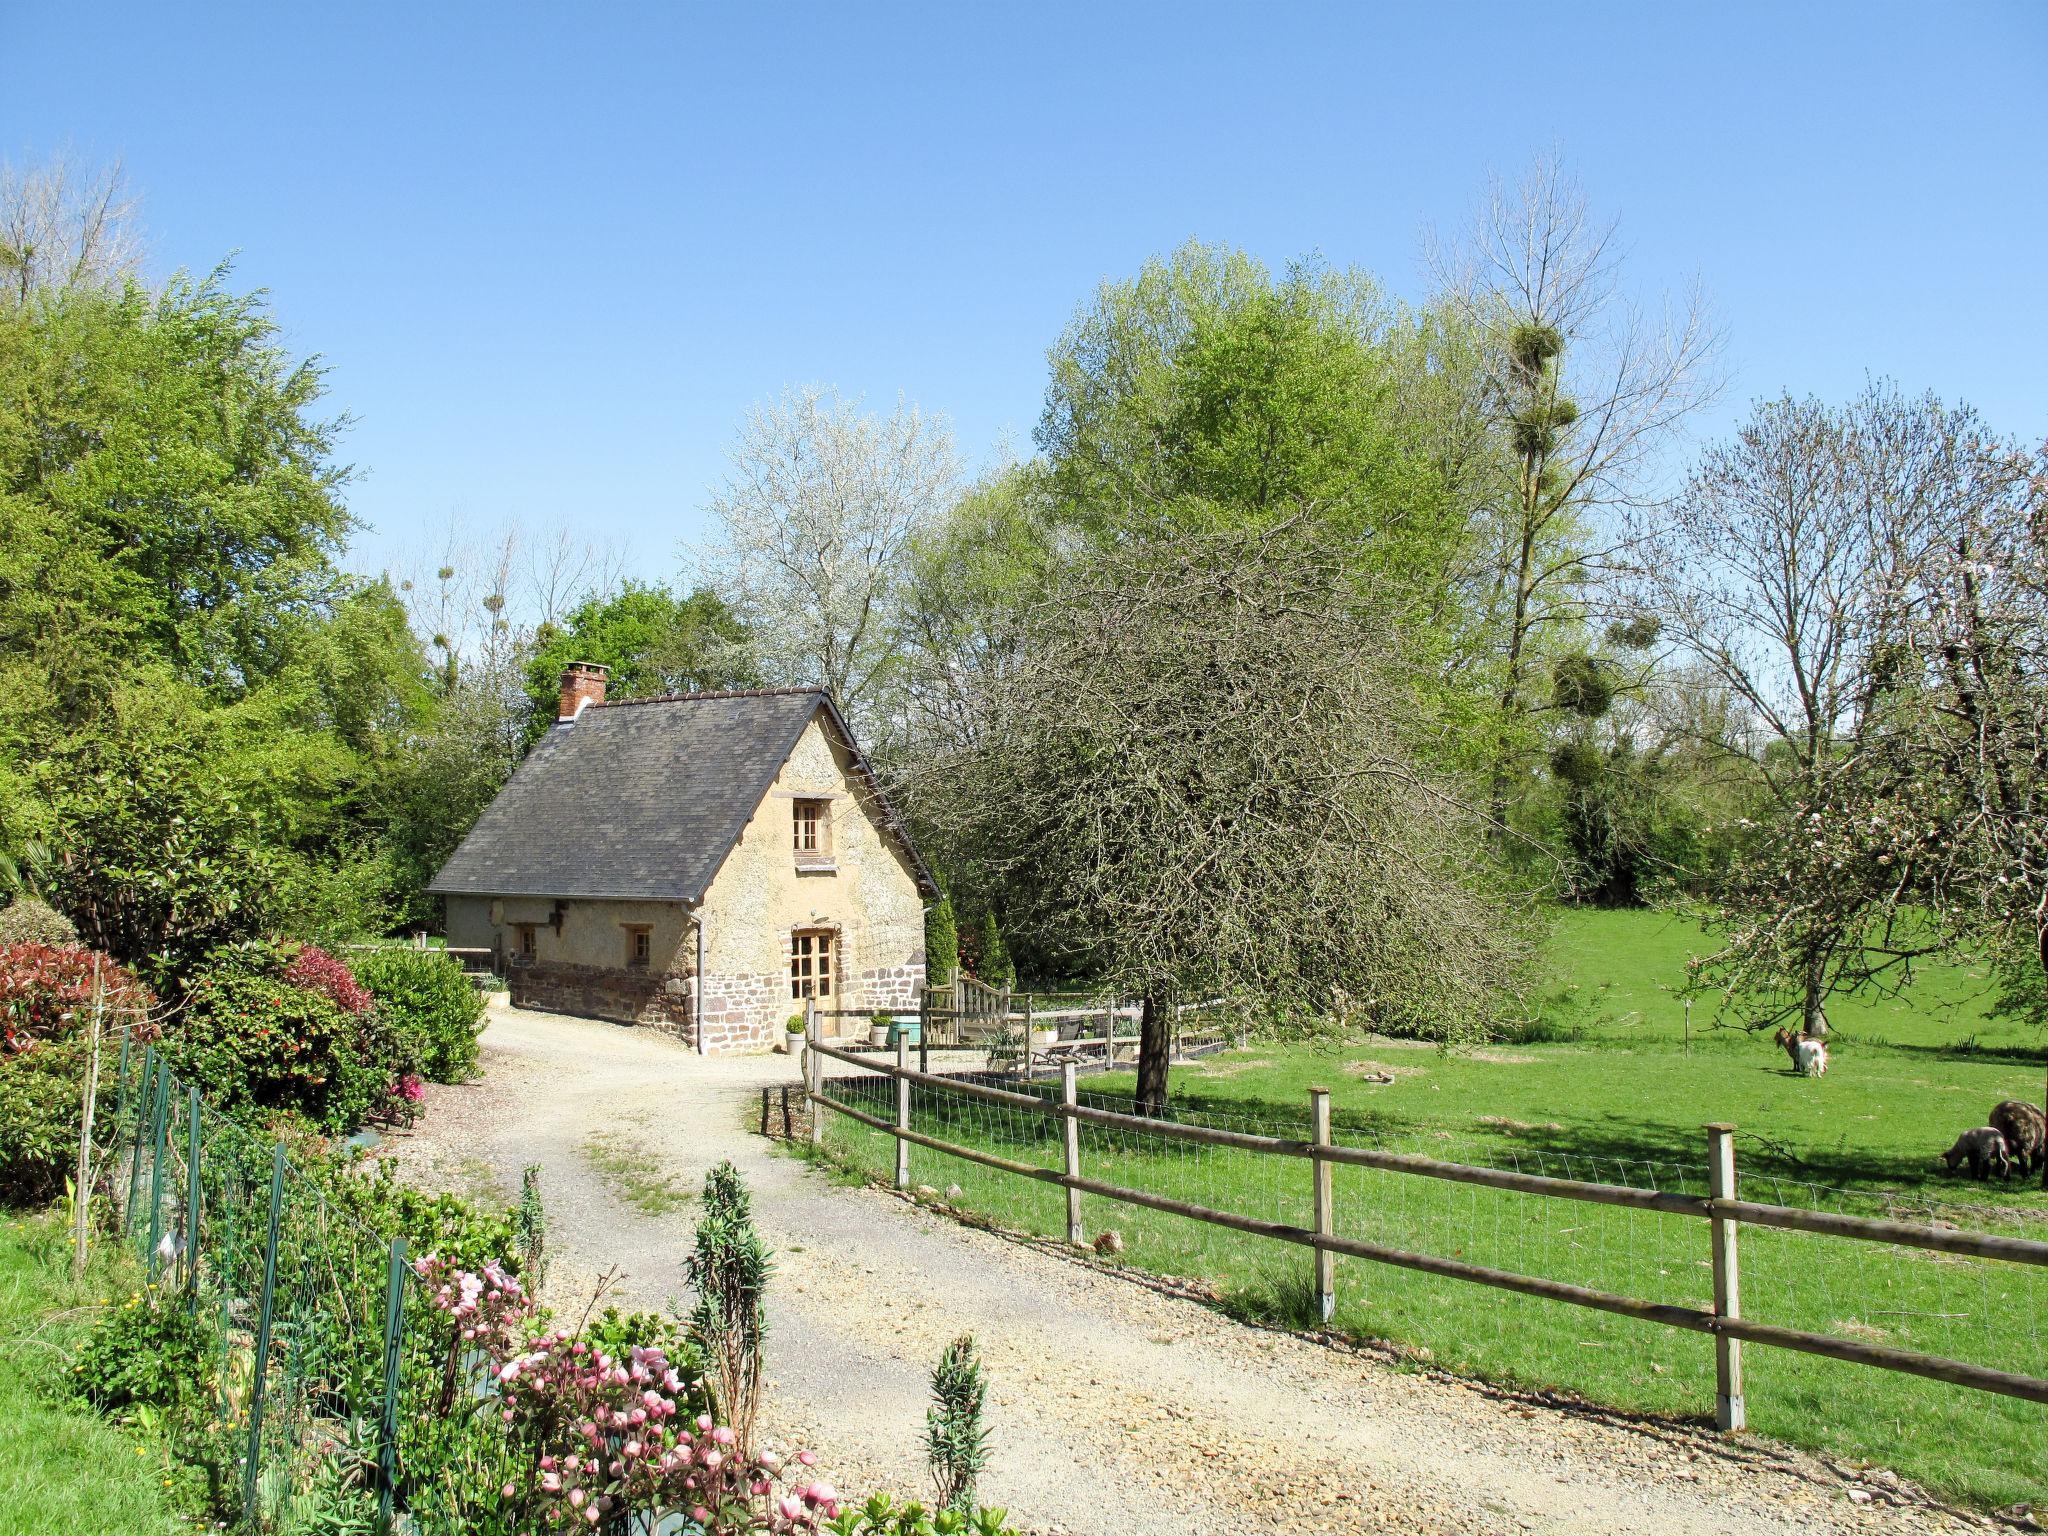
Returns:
(307,1306)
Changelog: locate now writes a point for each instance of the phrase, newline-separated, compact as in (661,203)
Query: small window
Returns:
(810,964)
(812,827)
(639,947)
(526,941)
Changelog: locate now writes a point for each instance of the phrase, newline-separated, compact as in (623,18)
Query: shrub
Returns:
(955,1436)
(149,1350)
(423,996)
(46,997)
(317,971)
(253,1039)
(28,921)
(941,943)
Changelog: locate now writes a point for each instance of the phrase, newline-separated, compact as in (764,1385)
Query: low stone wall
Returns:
(892,989)
(620,993)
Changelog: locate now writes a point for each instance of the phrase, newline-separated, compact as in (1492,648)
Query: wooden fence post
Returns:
(1070,1127)
(902,1110)
(924,1029)
(814,1081)
(1326,1261)
(265,1315)
(1730,1413)
(1027,1037)
(394,1362)
(1109,1032)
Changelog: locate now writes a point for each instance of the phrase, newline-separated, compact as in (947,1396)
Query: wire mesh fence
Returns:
(1981,1311)
(306,1307)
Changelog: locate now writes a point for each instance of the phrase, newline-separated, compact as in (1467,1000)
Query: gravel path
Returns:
(1115,1408)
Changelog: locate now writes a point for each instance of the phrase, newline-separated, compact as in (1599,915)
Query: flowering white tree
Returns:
(814,523)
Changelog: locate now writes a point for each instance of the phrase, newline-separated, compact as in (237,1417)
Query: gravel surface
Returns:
(1116,1407)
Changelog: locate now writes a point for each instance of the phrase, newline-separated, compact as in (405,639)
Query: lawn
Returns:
(63,1468)
(1622,1101)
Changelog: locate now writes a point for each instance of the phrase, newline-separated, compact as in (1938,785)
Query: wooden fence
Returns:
(1722,1210)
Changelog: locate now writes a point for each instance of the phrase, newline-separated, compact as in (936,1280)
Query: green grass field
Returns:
(1621,1101)
(63,1468)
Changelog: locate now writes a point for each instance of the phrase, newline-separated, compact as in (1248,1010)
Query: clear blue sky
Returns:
(551,253)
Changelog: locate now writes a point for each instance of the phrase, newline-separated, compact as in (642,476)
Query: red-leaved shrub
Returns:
(315,970)
(47,994)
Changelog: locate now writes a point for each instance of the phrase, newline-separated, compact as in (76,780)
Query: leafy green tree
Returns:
(992,958)
(941,943)
(651,639)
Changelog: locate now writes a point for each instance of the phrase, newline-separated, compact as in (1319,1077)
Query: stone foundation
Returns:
(745,1013)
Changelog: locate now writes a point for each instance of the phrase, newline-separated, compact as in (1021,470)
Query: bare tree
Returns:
(62,226)
(1584,390)
(1788,573)
(1193,776)
(814,523)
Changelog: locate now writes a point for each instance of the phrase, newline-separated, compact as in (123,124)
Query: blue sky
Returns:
(552,253)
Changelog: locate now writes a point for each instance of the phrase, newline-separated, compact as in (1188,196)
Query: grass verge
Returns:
(63,1468)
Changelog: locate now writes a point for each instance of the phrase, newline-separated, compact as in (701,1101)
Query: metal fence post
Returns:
(142,1101)
(814,1081)
(1730,1413)
(394,1336)
(1326,1261)
(265,1315)
(191,1202)
(159,1129)
(902,1110)
(1070,1126)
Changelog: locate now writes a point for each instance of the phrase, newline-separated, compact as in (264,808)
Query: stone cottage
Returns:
(702,863)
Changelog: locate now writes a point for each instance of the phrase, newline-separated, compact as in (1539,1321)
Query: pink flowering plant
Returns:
(591,1434)
(315,970)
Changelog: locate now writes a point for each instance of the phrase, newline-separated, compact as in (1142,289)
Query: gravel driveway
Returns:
(1116,1409)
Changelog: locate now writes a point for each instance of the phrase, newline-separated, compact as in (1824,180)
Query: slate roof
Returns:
(642,799)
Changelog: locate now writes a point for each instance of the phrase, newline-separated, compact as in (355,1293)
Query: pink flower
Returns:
(790,1508)
(808,1458)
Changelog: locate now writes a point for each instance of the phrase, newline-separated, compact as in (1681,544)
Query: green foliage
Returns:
(992,959)
(67,1468)
(253,1041)
(149,1350)
(40,1102)
(955,1436)
(729,1271)
(652,640)
(530,1229)
(161,862)
(463,1233)
(883,1516)
(25,920)
(941,943)
(427,1002)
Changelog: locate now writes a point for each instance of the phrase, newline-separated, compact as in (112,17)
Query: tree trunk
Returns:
(1814,1017)
(1155,1048)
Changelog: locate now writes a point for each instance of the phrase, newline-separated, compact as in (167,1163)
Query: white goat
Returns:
(1809,1058)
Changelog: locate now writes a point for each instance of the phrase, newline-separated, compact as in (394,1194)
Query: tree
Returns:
(1966,704)
(1782,571)
(941,943)
(1199,761)
(1582,392)
(652,640)
(814,522)
(62,226)
(991,959)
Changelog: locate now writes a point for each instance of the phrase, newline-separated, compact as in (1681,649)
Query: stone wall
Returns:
(617,992)
(863,893)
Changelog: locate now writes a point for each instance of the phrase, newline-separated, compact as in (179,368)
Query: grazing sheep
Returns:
(1984,1150)
(2025,1132)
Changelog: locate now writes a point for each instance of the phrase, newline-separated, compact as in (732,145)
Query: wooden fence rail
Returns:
(1726,1213)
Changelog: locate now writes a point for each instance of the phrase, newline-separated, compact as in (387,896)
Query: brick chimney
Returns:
(582,685)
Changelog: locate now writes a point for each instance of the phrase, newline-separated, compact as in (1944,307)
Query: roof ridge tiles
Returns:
(709,693)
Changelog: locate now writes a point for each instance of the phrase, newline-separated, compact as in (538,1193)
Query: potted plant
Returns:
(792,1035)
(878,1030)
